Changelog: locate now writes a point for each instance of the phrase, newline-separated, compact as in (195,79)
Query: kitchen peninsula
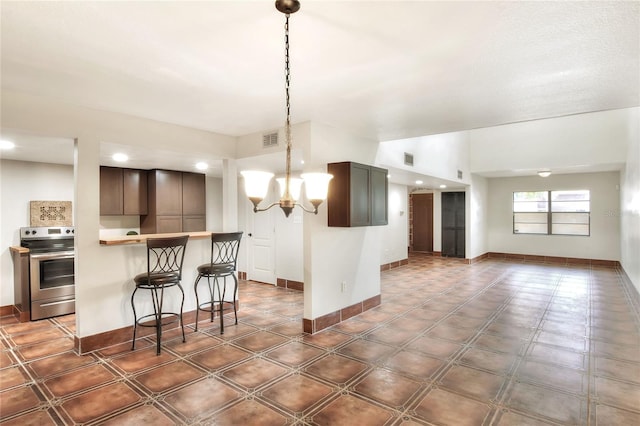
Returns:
(140,239)
(126,256)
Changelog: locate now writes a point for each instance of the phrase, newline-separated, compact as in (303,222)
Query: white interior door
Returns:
(262,243)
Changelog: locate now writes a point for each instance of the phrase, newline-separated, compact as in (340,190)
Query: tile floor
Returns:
(494,343)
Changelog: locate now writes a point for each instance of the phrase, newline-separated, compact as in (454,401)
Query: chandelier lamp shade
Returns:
(256,183)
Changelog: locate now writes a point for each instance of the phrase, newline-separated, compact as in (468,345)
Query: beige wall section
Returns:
(604,241)
(21,182)
(103,274)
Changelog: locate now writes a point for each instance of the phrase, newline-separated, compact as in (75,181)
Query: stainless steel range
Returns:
(51,270)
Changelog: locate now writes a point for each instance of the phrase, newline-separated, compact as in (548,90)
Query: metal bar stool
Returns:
(164,270)
(224,256)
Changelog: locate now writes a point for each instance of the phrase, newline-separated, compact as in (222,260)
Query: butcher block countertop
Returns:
(139,239)
(19,250)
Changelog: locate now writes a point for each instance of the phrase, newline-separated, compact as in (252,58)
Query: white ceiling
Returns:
(383,69)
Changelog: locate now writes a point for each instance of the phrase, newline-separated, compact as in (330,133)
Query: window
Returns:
(552,212)
(530,212)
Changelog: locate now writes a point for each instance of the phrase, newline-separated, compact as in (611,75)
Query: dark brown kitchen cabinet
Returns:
(357,195)
(177,202)
(111,190)
(193,194)
(165,193)
(134,194)
(194,207)
(123,191)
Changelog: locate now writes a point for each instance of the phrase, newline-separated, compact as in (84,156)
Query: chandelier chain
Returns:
(287,127)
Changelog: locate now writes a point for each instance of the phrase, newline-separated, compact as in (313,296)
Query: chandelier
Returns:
(257,182)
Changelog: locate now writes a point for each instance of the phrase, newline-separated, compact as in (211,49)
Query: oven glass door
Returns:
(52,275)
(56,272)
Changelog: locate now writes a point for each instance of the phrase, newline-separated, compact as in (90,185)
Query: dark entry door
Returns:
(453,217)
(422,205)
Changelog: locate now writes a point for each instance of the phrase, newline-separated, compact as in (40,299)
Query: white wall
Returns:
(604,241)
(20,183)
(630,201)
(477,199)
(440,155)
(566,142)
(395,236)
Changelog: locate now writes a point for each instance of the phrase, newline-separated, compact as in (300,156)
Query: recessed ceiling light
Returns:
(5,144)
(419,182)
(120,157)
(388,176)
(544,173)
(202,165)
(443,186)
(301,161)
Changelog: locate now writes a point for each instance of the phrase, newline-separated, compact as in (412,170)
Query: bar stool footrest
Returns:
(166,319)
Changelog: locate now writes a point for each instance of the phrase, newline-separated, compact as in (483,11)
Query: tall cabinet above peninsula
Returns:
(176,202)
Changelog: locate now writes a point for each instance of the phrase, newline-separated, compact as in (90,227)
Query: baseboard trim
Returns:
(632,292)
(556,260)
(290,284)
(315,325)
(15,311)
(84,345)
(6,311)
(393,265)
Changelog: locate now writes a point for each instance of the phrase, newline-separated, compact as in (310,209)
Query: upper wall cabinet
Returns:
(176,203)
(357,195)
(194,206)
(123,191)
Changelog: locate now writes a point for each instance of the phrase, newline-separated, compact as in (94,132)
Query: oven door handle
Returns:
(55,255)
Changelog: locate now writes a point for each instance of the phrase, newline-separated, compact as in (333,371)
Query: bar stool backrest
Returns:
(224,248)
(165,256)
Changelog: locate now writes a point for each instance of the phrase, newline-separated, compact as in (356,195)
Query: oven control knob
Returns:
(34,232)
(27,232)
(68,231)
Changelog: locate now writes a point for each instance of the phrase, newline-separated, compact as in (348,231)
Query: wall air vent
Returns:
(270,140)
(408,159)
(459,174)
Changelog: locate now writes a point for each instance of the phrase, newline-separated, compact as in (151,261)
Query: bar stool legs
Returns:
(222,264)
(165,257)
(157,298)
(213,285)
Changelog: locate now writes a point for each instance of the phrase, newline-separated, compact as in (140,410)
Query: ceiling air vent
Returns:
(270,140)
(408,159)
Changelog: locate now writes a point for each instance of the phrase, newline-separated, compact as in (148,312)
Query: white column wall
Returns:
(395,236)
(477,217)
(333,255)
(630,201)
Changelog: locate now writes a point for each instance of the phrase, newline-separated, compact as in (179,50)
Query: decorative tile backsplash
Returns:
(51,213)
